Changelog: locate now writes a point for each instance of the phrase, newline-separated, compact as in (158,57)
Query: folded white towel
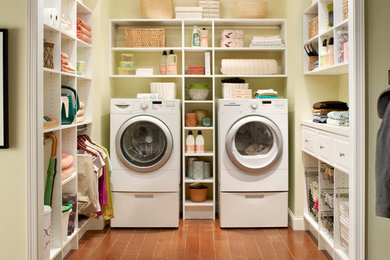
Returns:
(82,105)
(80,119)
(266,92)
(81,112)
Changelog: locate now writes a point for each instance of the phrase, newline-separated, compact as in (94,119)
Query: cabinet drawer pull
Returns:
(306,141)
(322,147)
(342,155)
(144,196)
(254,196)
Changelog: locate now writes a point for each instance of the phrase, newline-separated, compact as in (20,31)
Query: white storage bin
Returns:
(229,88)
(189,12)
(66,210)
(249,67)
(164,90)
(47,231)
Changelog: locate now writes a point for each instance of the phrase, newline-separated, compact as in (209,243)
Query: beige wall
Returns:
(377,64)
(13,173)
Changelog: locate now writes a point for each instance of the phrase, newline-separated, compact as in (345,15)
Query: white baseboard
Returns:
(296,223)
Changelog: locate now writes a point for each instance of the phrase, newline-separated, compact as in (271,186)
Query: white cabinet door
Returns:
(342,153)
(309,141)
(325,143)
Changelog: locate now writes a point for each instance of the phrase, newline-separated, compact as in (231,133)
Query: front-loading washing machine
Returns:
(145,155)
(253,162)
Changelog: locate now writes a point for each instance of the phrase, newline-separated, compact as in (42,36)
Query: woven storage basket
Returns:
(250,9)
(153,37)
(313,27)
(345,9)
(48,48)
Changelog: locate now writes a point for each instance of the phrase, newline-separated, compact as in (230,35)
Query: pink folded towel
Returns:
(84,37)
(84,31)
(66,160)
(64,55)
(66,173)
(83,24)
(64,61)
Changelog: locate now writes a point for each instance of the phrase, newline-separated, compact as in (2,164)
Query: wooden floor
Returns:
(197,239)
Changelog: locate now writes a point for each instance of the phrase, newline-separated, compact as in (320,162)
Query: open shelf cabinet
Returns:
(65,40)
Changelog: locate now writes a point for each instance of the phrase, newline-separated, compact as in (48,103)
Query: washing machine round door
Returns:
(254,144)
(144,143)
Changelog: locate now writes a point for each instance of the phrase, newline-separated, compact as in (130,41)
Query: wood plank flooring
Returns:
(197,239)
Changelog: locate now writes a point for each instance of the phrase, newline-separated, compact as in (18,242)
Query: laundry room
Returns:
(193,129)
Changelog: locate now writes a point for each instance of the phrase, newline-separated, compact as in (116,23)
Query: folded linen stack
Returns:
(67,166)
(267,42)
(338,118)
(195,70)
(80,113)
(322,109)
(66,66)
(211,8)
(232,39)
(84,31)
(266,93)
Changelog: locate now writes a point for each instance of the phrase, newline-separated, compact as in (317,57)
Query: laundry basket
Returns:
(48,60)
(145,37)
(46,231)
(66,210)
(312,189)
(250,9)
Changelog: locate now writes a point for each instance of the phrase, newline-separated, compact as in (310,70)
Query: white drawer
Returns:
(325,143)
(145,209)
(253,209)
(342,153)
(309,140)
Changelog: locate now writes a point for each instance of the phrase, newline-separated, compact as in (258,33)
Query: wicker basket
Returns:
(345,9)
(250,9)
(48,48)
(313,27)
(140,37)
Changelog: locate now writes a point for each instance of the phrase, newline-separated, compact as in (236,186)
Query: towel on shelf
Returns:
(81,112)
(331,105)
(338,115)
(267,42)
(84,31)
(80,119)
(336,122)
(66,173)
(84,37)
(82,105)
(66,160)
(266,93)
(82,23)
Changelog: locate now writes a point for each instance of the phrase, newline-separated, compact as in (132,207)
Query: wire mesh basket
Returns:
(48,60)
(327,172)
(312,189)
(327,220)
(327,197)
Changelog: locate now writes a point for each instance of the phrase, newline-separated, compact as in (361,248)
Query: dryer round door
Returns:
(144,143)
(254,144)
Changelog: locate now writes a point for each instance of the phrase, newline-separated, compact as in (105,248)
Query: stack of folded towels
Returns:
(322,111)
(266,93)
(66,66)
(66,165)
(84,31)
(267,42)
(80,113)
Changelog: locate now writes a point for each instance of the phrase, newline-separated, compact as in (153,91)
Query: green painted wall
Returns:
(377,64)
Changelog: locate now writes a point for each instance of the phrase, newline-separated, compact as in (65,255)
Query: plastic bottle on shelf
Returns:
(330,58)
(324,53)
(190,143)
(196,37)
(199,143)
(163,64)
(204,38)
(171,63)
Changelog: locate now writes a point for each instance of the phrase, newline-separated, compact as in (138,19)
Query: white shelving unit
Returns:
(330,146)
(66,41)
(178,39)
(319,9)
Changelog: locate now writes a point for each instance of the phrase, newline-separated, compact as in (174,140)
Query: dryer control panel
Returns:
(129,106)
(253,105)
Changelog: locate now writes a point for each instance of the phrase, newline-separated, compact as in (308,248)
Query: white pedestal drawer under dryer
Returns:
(253,162)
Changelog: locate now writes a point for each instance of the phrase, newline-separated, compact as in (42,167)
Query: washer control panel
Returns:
(253,105)
(120,106)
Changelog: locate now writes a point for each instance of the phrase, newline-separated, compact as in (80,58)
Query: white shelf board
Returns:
(145,76)
(196,128)
(342,254)
(67,35)
(207,203)
(86,77)
(342,24)
(51,28)
(313,9)
(68,126)
(325,235)
(252,76)
(312,40)
(340,130)
(337,69)
(47,70)
(83,44)
(82,8)
(198,76)
(147,22)
(198,101)
(68,74)
(199,154)
(145,49)
(85,122)
(311,221)
(52,129)
(249,22)
(197,49)
(54,252)
(70,238)
(220,49)
(209,180)
(69,179)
